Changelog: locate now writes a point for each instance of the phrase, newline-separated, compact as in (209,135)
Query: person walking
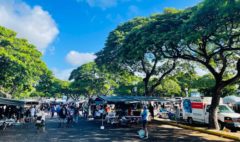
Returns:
(76,114)
(85,110)
(62,115)
(177,114)
(145,115)
(53,109)
(151,110)
(40,122)
(70,115)
(58,109)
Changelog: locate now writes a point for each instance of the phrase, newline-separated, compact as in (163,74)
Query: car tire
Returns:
(190,121)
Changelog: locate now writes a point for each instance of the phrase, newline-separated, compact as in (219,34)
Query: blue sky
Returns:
(68,32)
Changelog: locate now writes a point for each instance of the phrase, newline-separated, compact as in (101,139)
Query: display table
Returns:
(132,116)
(130,119)
(112,118)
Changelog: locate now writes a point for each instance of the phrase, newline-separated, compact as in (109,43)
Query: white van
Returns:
(196,109)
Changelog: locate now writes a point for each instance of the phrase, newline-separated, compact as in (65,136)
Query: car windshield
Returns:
(224,109)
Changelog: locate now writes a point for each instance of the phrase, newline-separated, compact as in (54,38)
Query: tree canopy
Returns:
(21,65)
(122,52)
(210,36)
(91,80)
(207,34)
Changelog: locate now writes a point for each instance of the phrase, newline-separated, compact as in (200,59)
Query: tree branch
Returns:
(235,78)
(154,66)
(224,62)
(162,76)
(143,66)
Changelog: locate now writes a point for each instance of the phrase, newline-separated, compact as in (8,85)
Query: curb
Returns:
(200,130)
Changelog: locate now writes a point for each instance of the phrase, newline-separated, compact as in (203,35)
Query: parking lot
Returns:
(90,131)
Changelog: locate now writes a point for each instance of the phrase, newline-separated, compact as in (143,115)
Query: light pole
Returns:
(135,90)
(93,76)
(186,90)
(99,77)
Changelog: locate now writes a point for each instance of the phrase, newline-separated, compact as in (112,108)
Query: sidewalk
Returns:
(224,134)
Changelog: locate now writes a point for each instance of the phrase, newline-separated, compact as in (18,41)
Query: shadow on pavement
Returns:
(90,131)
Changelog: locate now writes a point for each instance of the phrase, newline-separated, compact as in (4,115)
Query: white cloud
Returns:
(32,23)
(62,74)
(77,59)
(100,3)
(104,4)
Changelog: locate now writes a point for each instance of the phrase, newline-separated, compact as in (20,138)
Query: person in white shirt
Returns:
(32,112)
(42,114)
(41,117)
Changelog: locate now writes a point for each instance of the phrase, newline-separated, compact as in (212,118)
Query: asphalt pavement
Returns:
(89,131)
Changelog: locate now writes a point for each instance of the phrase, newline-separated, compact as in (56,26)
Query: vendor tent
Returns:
(99,101)
(5,101)
(130,99)
(115,99)
(146,98)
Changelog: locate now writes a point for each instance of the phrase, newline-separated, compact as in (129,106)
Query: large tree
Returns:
(207,34)
(205,85)
(128,47)
(45,85)
(210,36)
(90,80)
(49,86)
(186,77)
(169,87)
(20,63)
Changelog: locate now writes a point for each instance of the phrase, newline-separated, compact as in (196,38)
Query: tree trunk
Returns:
(146,89)
(213,118)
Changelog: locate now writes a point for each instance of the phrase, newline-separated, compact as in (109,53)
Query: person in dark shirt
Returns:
(151,110)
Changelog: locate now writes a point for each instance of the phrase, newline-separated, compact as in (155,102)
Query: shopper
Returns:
(145,115)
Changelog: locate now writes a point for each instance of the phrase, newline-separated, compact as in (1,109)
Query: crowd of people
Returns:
(11,112)
(69,113)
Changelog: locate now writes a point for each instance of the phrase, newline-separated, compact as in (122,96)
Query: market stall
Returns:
(127,109)
(12,102)
(10,111)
